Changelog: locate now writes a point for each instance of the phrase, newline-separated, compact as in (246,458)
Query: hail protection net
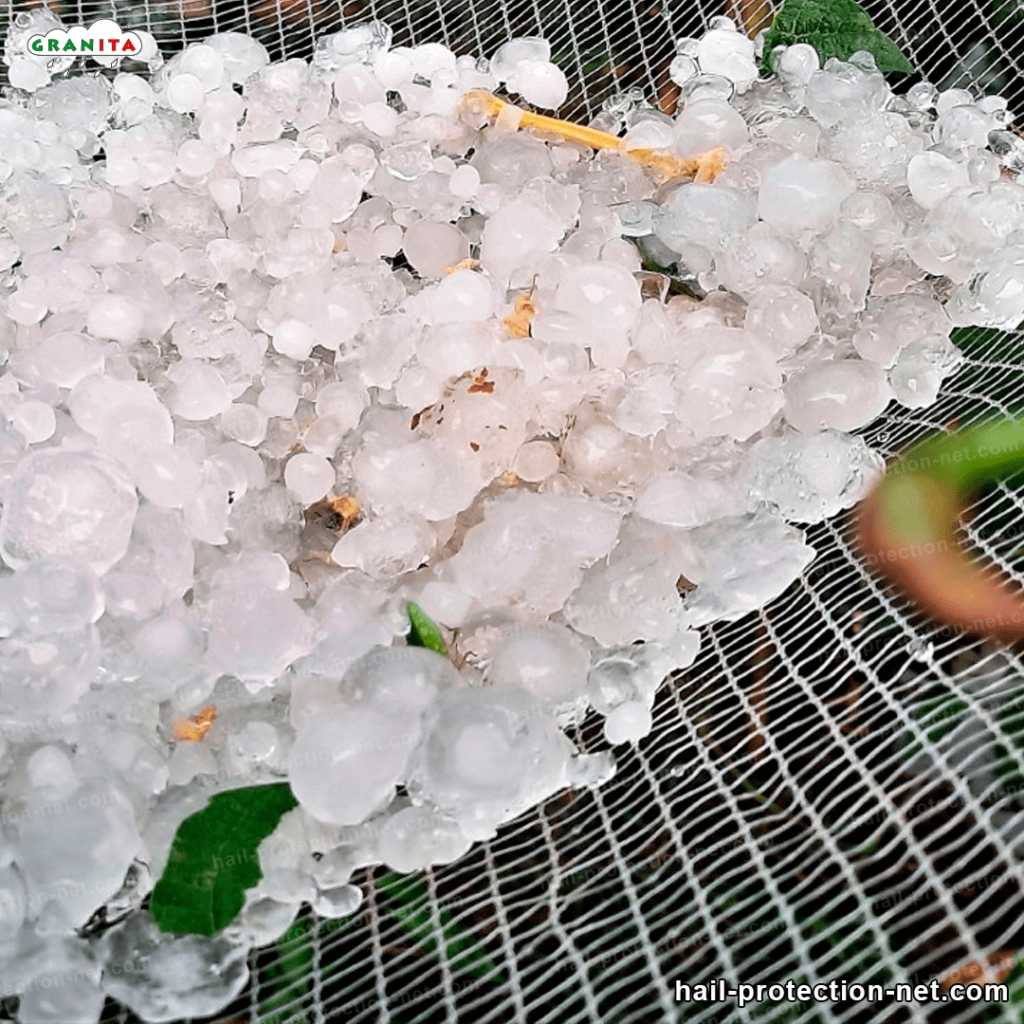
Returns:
(834,790)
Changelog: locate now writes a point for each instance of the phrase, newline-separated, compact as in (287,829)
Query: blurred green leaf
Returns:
(286,977)
(415,918)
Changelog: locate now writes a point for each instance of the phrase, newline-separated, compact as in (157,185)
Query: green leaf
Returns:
(415,919)
(213,859)
(835,28)
(424,632)
(285,980)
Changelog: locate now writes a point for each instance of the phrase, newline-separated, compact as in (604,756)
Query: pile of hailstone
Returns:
(261,387)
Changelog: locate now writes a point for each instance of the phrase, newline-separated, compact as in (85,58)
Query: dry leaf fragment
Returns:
(195,727)
(467,264)
(481,385)
(518,323)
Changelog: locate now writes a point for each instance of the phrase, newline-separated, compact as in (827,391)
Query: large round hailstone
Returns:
(545,659)
(541,83)
(845,94)
(798,193)
(536,461)
(463,295)
(168,476)
(75,507)
(205,63)
(116,317)
(844,394)
(706,124)
(399,680)
(708,215)
(432,247)
(308,477)
(293,338)
(185,93)
(28,75)
(730,54)
(489,754)
(418,475)
(603,296)
(510,56)
(346,762)
(344,312)
(256,630)
(963,128)
(38,215)
(35,421)
(809,477)
(797,63)
(394,69)
(782,317)
(464,182)
(530,548)
(511,160)
(921,369)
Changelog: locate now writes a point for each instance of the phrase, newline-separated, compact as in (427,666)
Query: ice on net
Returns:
(282,354)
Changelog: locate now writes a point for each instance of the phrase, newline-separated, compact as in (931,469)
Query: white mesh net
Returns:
(834,790)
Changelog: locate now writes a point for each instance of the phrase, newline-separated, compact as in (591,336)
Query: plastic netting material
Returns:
(834,790)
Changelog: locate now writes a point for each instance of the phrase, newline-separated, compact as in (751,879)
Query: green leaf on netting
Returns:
(213,859)
(285,980)
(835,28)
(415,918)
(424,632)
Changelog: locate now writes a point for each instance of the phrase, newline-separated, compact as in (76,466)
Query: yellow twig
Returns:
(665,165)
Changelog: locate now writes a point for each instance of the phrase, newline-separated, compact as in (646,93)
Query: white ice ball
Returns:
(308,477)
(185,93)
(346,761)
(168,476)
(35,421)
(627,723)
(115,317)
(535,461)
(294,339)
(541,83)
(463,295)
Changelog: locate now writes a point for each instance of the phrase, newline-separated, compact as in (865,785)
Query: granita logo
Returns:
(103,41)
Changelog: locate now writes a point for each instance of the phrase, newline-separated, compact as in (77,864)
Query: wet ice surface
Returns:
(284,359)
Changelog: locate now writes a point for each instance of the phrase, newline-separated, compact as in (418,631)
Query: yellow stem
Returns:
(665,165)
